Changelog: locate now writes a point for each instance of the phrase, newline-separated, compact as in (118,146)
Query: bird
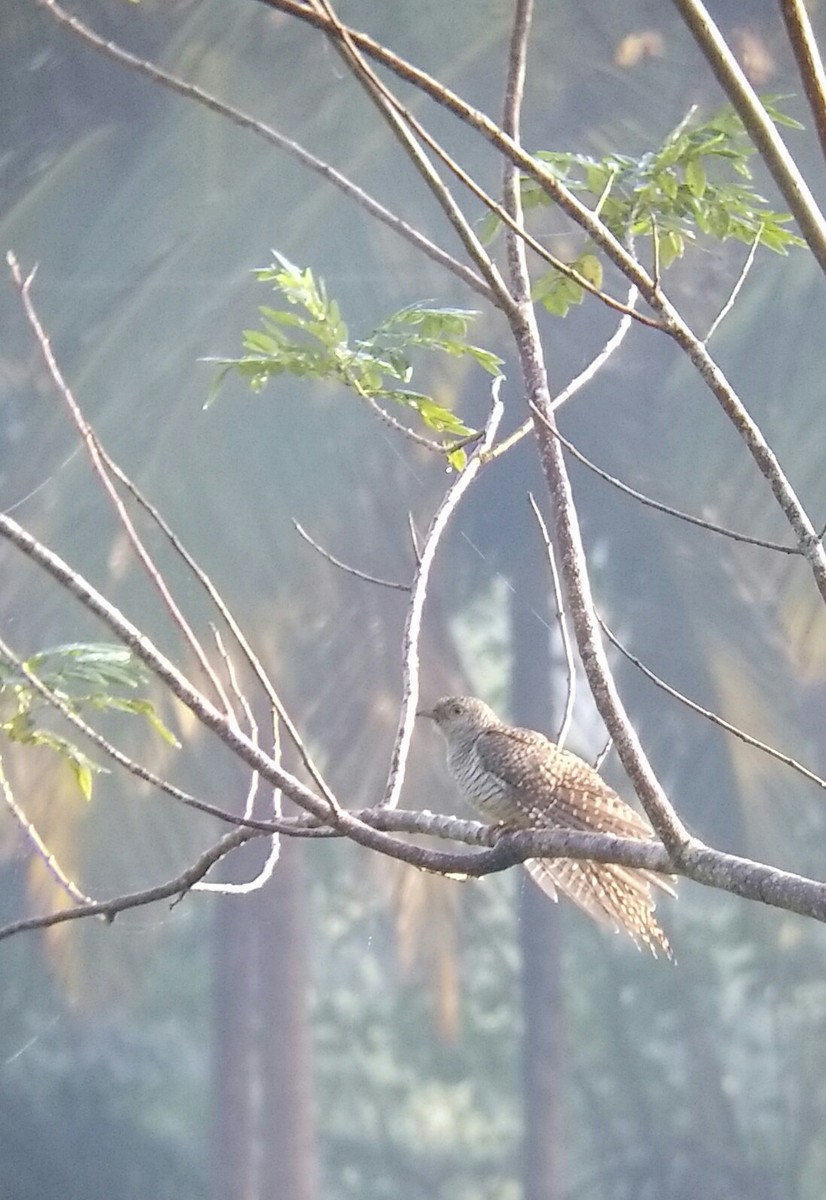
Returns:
(520,779)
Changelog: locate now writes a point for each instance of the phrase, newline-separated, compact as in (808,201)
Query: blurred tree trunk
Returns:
(264,1118)
(538,923)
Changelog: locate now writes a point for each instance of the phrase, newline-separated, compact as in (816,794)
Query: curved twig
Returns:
(711,716)
(336,562)
(562,625)
(410,669)
(657,505)
(244,121)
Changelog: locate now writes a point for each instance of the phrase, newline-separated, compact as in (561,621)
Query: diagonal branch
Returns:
(385,103)
(713,717)
(809,63)
(573,562)
(761,129)
(418,594)
(192,92)
(90,441)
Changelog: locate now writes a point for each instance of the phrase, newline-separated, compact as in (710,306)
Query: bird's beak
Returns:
(425,712)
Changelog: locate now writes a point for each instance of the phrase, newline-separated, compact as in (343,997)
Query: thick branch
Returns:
(758,123)
(727,872)
(573,564)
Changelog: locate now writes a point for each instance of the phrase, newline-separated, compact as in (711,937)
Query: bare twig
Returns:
(735,291)
(265,873)
(711,716)
(42,850)
(760,127)
(414,539)
(92,446)
(400,126)
(410,668)
(579,381)
(603,754)
(655,252)
(657,505)
(562,625)
(388,583)
(109,909)
(244,121)
(216,598)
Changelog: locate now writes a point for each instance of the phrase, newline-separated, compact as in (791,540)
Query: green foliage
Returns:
(557,292)
(311,339)
(699,181)
(86,677)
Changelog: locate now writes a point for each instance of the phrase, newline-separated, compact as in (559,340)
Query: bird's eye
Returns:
(456,710)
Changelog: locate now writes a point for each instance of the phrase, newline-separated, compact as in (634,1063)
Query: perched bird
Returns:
(519,778)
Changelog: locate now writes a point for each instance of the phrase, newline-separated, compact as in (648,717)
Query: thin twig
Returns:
(385,102)
(265,872)
(91,443)
(579,381)
(336,562)
(414,539)
(192,92)
(655,254)
(43,852)
(415,608)
(603,754)
(711,716)
(735,291)
(239,635)
(657,505)
(562,625)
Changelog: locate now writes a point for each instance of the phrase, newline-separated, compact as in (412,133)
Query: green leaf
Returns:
(590,268)
(672,246)
(695,177)
(489,229)
(314,342)
(83,775)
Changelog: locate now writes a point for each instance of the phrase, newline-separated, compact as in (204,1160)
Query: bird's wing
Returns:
(555,787)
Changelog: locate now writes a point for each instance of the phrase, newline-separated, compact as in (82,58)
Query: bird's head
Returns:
(460,717)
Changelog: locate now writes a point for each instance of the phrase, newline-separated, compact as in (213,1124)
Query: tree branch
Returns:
(758,123)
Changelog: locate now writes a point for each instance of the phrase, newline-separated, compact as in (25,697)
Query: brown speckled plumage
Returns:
(520,778)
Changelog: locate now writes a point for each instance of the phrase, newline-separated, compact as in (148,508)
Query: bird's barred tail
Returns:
(612,895)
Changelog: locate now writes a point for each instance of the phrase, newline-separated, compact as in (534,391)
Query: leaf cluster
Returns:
(86,677)
(699,181)
(311,339)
